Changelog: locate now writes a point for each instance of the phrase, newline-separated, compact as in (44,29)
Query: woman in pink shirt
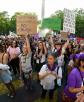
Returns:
(14,52)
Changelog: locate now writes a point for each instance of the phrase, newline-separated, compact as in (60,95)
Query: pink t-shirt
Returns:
(13,51)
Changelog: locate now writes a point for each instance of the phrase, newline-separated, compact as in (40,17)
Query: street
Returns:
(24,96)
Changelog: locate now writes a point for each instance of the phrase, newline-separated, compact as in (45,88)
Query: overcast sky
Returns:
(35,6)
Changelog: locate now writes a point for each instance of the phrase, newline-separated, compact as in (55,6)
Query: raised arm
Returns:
(45,49)
(64,47)
(52,43)
(28,44)
(66,44)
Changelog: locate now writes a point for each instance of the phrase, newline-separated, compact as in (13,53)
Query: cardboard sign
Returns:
(69,21)
(64,35)
(82,42)
(26,25)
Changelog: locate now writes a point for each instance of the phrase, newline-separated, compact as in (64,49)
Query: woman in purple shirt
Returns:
(75,83)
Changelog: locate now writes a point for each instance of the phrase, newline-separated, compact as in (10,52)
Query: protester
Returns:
(40,56)
(75,84)
(25,65)
(47,76)
(13,52)
(5,74)
(57,50)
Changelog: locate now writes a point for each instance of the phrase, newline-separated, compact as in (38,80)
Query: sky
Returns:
(12,6)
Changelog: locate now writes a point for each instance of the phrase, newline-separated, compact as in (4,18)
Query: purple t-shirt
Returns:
(74,81)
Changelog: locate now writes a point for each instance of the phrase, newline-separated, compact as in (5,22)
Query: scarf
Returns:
(51,68)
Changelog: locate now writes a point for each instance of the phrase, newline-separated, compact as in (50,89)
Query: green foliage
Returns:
(4,23)
(59,14)
(80,22)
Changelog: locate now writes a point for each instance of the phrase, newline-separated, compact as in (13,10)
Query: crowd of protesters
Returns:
(59,65)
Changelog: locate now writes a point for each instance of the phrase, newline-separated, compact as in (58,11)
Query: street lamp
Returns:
(43,9)
(42,16)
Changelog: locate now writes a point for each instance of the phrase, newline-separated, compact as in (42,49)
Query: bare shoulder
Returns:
(5,55)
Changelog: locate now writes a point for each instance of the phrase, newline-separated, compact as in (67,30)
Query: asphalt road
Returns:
(24,96)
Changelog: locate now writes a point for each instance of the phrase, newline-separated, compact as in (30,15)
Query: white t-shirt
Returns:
(26,62)
(48,81)
(42,59)
(60,60)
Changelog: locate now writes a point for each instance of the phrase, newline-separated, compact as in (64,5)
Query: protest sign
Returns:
(64,35)
(26,25)
(69,21)
(52,23)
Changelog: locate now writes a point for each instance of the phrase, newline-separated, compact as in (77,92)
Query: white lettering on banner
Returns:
(69,21)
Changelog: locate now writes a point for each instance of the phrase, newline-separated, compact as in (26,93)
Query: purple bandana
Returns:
(51,68)
(77,56)
(81,57)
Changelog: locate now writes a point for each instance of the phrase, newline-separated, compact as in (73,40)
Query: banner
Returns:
(69,21)
(52,23)
(26,25)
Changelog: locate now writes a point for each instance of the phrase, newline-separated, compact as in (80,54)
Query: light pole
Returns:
(43,9)
(42,16)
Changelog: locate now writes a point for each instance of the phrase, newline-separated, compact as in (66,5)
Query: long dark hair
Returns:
(15,43)
(2,48)
(43,51)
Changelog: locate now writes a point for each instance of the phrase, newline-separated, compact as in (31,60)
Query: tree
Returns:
(59,14)
(4,23)
(79,22)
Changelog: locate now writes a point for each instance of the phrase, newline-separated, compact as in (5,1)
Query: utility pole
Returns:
(43,10)
(42,15)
